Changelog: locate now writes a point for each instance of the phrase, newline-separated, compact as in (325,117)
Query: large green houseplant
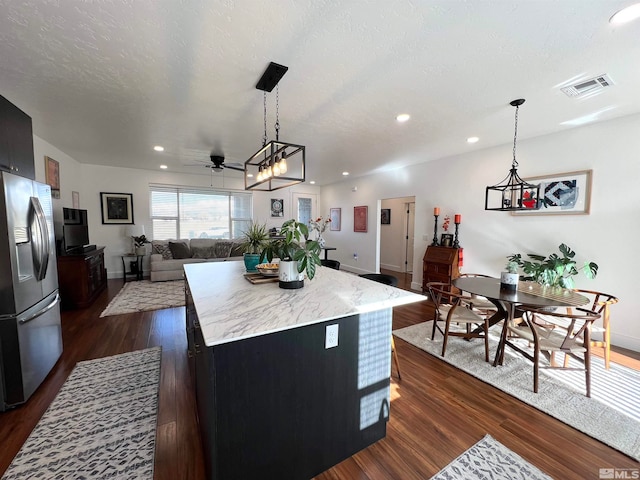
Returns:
(554,270)
(253,241)
(292,245)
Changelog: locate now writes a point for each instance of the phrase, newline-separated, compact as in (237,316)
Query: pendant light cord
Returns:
(264,137)
(515,135)
(277,125)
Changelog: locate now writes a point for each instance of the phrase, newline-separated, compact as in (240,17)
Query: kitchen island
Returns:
(288,382)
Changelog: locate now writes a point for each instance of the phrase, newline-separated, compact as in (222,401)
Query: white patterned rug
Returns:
(611,415)
(490,460)
(102,423)
(146,295)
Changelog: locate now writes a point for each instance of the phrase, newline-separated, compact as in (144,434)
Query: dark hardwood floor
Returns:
(437,411)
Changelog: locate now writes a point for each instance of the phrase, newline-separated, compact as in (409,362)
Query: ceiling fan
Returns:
(217,164)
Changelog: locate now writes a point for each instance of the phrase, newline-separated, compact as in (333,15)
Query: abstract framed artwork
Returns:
(360,218)
(385,216)
(52,175)
(335,214)
(561,194)
(117,208)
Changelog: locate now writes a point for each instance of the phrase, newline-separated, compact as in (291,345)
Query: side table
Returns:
(135,266)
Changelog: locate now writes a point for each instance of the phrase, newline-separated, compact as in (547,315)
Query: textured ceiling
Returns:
(106,80)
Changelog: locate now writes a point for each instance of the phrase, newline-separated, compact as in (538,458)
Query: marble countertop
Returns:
(231,308)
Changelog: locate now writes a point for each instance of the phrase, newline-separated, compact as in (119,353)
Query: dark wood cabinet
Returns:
(81,277)
(439,264)
(16,141)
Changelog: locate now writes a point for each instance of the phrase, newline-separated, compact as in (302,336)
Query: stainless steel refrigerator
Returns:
(30,331)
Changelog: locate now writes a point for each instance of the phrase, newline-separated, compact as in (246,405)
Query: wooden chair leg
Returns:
(395,357)
(446,337)
(607,337)
(486,340)
(536,359)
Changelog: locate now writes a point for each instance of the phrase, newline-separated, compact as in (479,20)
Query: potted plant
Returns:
(138,243)
(509,278)
(554,270)
(297,253)
(253,240)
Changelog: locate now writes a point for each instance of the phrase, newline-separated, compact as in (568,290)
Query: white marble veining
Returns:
(230,308)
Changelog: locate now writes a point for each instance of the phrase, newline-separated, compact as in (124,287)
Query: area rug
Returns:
(145,295)
(561,393)
(490,460)
(102,423)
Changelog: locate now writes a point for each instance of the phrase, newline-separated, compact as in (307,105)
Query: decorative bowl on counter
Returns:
(268,269)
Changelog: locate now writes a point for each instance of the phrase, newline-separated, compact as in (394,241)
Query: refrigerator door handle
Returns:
(35,315)
(39,238)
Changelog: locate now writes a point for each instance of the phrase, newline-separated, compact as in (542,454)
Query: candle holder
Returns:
(456,244)
(435,232)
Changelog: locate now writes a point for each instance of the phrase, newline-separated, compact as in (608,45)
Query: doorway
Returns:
(397,234)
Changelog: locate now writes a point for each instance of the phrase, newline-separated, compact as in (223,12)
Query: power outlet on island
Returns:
(331,336)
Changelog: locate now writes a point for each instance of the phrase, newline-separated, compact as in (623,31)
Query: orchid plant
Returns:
(320,224)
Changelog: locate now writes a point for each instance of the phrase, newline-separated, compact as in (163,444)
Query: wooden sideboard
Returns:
(81,278)
(439,264)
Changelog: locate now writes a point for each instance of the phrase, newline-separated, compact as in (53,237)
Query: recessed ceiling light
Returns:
(164,167)
(312,182)
(626,14)
(249,175)
(472,139)
(345,173)
(158,148)
(403,117)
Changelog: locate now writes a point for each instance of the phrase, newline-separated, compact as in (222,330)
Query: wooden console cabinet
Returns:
(81,277)
(439,264)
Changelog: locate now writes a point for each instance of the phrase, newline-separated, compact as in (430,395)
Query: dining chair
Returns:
(335,264)
(452,307)
(549,332)
(480,304)
(599,302)
(392,281)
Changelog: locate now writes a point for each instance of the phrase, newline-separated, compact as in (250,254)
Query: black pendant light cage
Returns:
(513,193)
(277,164)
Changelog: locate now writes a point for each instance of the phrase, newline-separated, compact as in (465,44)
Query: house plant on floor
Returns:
(298,255)
(254,240)
(554,270)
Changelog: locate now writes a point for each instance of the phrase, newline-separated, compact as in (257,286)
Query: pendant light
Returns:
(513,193)
(277,164)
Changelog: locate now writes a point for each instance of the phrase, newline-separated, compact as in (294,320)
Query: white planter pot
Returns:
(509,281)
(289,276)
(141,250)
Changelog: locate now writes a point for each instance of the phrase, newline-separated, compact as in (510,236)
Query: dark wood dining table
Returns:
(507,301)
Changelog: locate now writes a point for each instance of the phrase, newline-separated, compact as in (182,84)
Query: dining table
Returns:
(506,301)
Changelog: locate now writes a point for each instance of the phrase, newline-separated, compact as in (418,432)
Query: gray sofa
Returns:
(169,256)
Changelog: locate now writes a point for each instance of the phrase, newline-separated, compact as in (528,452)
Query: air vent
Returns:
(587,86)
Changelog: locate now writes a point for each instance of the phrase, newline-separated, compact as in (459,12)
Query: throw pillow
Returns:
(162,248)
(179,250)
(203,252)
(222,249)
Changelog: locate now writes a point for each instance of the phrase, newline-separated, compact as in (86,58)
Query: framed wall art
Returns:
(561,194)
(335,214)
(117,208)
(385,216)
(360,218)
(52,175)
(277,207)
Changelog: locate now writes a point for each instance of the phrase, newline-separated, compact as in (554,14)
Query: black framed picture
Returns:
(277,207)
(117,208)
(385,216)
(446,239)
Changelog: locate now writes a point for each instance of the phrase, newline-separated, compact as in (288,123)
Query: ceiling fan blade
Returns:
(232,167)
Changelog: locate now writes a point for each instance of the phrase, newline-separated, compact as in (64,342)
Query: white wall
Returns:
(607,236)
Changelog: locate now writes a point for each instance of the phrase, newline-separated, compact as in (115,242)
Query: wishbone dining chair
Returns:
(549,332)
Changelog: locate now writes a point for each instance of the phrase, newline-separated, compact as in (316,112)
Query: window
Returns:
(178,212)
